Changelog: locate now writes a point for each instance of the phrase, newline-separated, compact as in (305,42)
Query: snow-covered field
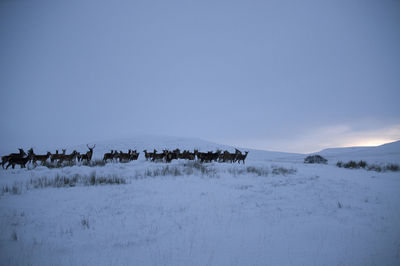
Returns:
(216,214)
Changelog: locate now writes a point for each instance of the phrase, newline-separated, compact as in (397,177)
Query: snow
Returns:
(319,215)
(386,153)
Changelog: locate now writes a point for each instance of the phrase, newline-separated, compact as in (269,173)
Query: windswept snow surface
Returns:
(318,215)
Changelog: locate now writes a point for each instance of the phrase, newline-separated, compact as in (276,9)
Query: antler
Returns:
(92,147)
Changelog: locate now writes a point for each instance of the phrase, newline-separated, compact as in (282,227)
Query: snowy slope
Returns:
(385,153)
(160,143)
(317,215)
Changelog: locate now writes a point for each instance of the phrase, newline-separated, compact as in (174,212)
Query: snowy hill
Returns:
(386,153)
(160,143)
(274,210)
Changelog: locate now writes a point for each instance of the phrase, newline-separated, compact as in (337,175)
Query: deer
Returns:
(109,156)
(57,156)
(227,156)
(158,156)
(168,156)
(21,161)
(88,155)
(148,155)
(188,155)
(241,157)
(69,157)
(204,156)
(36,157)
(5,159)
(116,156)
(134,155)
(124,156)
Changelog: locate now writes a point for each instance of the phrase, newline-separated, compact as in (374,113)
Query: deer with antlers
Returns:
(88,155)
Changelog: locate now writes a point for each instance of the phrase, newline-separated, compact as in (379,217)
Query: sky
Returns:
(294,76)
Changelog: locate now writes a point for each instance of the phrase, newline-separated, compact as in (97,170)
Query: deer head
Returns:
(21,152)
(91,149)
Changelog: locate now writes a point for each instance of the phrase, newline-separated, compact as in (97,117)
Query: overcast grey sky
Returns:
(293,76)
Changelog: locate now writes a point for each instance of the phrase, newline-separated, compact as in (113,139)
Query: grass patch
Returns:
(52,165)
(279,170)
(186,169)
(370,167)
(14,189)
(94,163)
(93,180)
(85,222)
(64,181)
(257,171)
(14,236)
(261,171)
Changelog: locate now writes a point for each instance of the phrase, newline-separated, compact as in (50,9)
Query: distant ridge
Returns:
(389,152)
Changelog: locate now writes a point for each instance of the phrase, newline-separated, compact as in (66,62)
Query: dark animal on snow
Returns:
(69,157)
(21,161)
(109,156)
(158,156)
(5,159)
(241,157)
(148,155)
(37,157)
(88,155)
(57,156)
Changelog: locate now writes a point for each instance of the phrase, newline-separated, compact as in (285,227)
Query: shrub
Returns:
(351,164)
(362,164)
(315,159)
(369,167)
(375,168)
(392,167)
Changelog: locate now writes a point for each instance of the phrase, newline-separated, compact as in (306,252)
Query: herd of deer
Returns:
(22,158)
(206,157)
